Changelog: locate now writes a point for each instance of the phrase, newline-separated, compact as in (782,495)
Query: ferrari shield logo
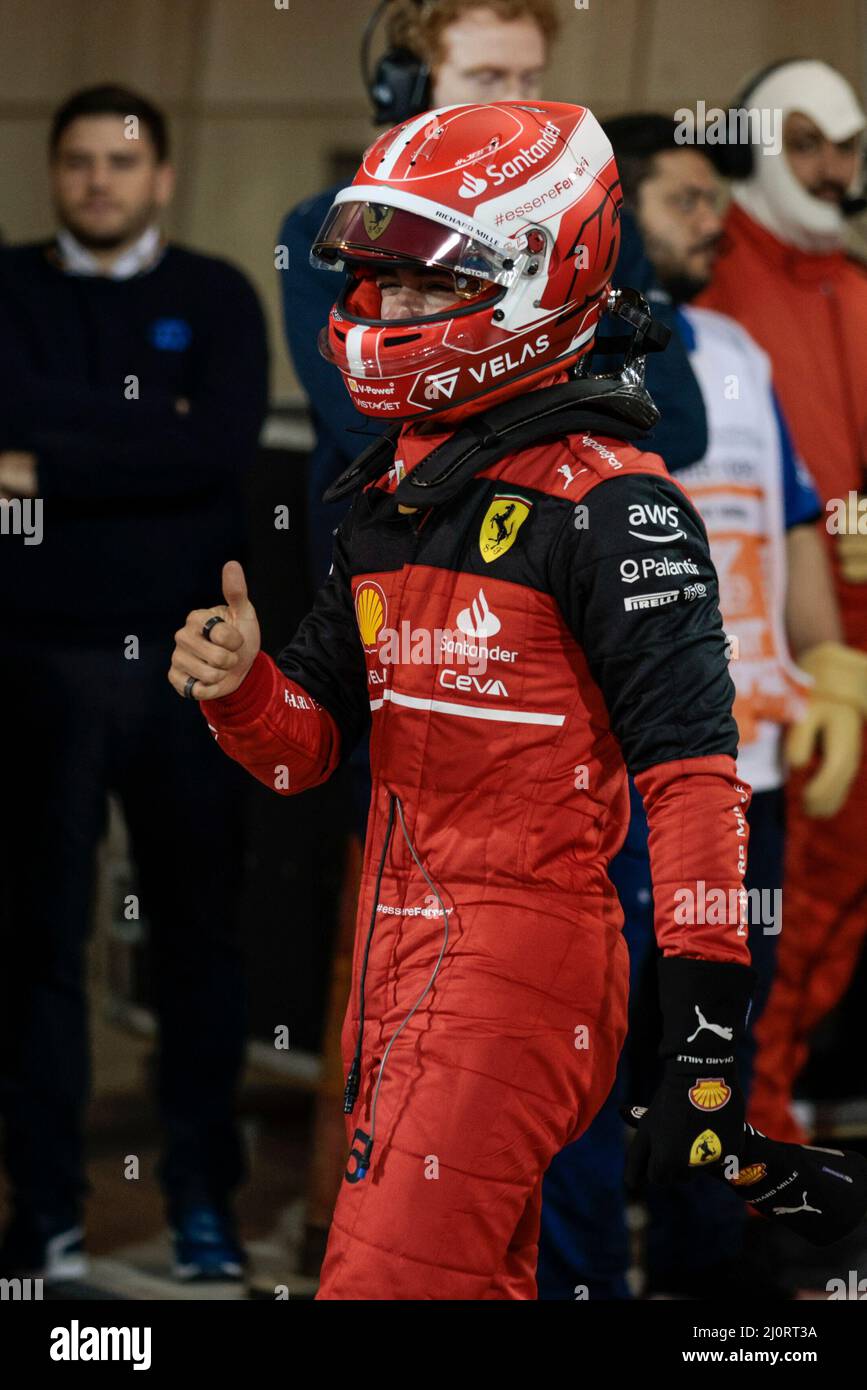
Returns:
(705,1149)
(376,218)
(503,519)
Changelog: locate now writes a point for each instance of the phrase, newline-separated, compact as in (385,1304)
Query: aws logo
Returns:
(655,514)
(371,611)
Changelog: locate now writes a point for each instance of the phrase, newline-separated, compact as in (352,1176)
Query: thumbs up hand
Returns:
(208,664)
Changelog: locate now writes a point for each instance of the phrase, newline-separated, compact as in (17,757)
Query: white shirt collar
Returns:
(77,260)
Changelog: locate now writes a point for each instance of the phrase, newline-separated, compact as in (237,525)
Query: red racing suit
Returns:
(809,313)
(515,649)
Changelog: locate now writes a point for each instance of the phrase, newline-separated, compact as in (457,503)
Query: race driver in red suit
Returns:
(520,625)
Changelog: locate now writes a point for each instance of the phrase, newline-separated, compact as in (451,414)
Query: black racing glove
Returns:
(696,1118)
(821,1194)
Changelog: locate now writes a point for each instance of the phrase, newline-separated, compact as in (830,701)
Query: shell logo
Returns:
(371,607)
(747,1177)
(710,1093)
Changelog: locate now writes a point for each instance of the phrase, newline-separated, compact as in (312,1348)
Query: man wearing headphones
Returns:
(786,277)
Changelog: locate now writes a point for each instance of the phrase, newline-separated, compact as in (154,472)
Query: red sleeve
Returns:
(276,730)
(696,811)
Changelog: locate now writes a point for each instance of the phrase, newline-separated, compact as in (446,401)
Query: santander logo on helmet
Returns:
(523,159)
(517,204)
(471,187)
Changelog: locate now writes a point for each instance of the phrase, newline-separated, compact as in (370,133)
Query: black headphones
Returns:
(399,85)
(736,161)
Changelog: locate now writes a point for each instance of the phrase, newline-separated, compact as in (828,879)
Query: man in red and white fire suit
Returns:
(483,611)
(785,275)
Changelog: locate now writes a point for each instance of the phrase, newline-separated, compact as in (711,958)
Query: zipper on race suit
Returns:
(358,1164)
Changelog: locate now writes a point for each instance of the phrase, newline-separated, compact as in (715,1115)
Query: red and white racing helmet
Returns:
(520,203)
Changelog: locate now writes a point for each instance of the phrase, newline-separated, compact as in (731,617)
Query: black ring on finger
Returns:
(188,685)
(212,622)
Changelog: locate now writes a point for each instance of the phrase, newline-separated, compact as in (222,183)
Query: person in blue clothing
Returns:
(142,495)
(776,593)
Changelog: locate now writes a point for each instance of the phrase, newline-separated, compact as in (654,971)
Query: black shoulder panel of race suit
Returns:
(576,407)
(632,574)
(607,405)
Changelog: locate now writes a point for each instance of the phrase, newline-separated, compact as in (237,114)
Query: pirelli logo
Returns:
(650,600)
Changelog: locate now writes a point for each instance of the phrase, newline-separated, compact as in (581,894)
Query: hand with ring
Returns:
(216,647)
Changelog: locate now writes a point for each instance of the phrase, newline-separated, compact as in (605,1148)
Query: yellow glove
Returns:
(837,703)
(852,547)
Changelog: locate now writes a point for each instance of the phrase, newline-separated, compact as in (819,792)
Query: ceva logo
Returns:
(472,187)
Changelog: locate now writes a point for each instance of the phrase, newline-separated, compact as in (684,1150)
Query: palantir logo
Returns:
(478,620)
(472,187)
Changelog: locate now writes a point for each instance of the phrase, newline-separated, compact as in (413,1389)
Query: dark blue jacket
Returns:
(308,295)
(681,435)
(143,500)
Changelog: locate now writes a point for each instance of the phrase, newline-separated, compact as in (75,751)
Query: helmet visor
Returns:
(354,232)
